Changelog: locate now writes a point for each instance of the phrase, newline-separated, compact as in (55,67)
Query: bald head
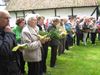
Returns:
(4,12)
(4,18)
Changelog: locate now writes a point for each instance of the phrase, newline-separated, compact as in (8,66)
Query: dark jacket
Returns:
(7,42)
(78,29)
(53,42)
(9,63)
(40,28)
(86,28)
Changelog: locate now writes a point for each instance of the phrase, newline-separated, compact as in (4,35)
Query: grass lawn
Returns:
(79,60)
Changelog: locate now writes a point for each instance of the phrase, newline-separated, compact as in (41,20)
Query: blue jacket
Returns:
(68,27)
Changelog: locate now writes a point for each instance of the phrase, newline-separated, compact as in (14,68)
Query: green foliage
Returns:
(79,60)
(54,34)
(43,33)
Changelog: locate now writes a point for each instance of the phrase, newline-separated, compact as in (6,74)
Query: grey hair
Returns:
(30,17)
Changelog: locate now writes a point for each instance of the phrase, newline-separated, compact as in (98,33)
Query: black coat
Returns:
(40,28)
(53,42)
(7,42)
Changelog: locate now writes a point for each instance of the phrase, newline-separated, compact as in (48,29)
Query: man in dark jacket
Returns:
(8,59)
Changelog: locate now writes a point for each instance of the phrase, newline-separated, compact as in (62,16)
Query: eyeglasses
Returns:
(5,17)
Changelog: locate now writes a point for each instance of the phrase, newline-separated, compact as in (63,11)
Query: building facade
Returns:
(47,8)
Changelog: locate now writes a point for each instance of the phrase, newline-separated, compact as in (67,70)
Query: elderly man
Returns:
(8,59)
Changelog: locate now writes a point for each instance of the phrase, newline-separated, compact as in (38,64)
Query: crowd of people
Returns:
(26,30)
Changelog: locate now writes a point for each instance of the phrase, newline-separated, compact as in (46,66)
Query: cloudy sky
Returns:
(1,2)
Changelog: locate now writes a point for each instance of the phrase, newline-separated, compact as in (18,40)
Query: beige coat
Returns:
(33,52)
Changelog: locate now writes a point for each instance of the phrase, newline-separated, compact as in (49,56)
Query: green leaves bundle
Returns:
(54,34)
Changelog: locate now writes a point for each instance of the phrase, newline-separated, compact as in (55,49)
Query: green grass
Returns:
(79,60)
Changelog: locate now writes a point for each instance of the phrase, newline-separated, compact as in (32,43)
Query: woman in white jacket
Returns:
(32,54)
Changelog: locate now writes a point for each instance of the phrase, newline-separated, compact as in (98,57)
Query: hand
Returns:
(19,47)
(47,39)
(8,29)
(42,41)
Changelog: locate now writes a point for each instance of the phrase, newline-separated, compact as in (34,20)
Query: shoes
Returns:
(22,73)
(53,66)
(93,44)
(44,74)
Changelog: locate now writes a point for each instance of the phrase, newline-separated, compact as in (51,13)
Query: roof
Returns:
(17,5)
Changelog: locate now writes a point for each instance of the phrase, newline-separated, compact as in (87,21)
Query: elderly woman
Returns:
(42,27)
(20,22)
(86,29)
(32,54)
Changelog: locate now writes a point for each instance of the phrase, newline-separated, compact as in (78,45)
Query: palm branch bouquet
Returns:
(53,34)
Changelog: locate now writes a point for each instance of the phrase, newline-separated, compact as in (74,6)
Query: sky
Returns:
(2,3)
